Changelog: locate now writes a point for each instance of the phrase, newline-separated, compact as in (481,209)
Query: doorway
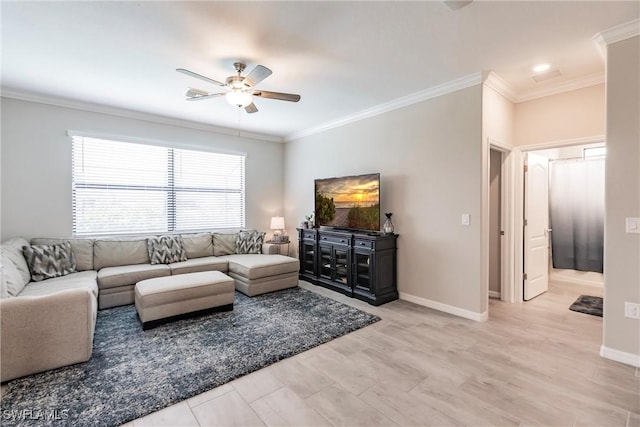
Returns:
(498,224)
(573,245)
(495,224)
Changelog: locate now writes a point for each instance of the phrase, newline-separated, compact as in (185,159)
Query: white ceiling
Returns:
(341,57)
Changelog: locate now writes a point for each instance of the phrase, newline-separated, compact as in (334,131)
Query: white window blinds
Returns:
(125,188)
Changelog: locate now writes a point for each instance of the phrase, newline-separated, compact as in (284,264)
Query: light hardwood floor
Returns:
(534,363)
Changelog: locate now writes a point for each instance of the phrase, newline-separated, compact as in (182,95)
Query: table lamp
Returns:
(277,225)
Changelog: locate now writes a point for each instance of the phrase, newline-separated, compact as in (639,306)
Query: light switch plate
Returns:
(466,219)
(631,310)
(632,225)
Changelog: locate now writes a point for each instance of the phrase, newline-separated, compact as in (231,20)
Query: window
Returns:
(125,188)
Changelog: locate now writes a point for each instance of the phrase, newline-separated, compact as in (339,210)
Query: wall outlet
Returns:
(465,219)
(631,310)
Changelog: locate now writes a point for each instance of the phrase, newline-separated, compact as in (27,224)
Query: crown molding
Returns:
(433,92)
(579,83)
(616,34)
(131,114)
(497,83)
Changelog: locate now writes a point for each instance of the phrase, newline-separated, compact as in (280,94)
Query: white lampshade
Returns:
(277,223)
(238,98)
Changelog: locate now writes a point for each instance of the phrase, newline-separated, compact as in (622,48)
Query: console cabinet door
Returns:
(326,262)
(334,267)
(308,258)
(341,265)
(362,273)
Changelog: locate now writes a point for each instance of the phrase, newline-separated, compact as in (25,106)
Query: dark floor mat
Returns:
(588,305)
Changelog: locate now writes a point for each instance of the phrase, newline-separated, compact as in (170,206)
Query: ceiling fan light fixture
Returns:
(238,98)
(236,82)
(239,89)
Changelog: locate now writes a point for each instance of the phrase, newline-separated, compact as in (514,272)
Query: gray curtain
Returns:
(576,210)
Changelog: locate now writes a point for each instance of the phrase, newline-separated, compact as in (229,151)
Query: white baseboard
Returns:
(494,294)
(620,356)
(456,311)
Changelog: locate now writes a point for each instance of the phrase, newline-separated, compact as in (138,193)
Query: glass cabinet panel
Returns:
(308,253)
(325,261)
(341,265)
(362,270)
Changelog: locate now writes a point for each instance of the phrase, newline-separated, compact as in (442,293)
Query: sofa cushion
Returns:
(224,243)
(249,242)
(166,249)
(117,252)
(48,261)
(255,266)
(198,245)
(12,250)
(82,250)
(79,280)
(111,277)
(195,265)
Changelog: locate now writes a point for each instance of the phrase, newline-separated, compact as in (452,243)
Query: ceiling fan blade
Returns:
(201,97)
(198,76)
(257,75)
(192,92)
(251,108)
(277,95)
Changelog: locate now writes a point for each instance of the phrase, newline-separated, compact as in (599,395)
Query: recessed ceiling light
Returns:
(541,67)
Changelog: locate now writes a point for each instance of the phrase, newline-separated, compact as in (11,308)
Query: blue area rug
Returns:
(134,372)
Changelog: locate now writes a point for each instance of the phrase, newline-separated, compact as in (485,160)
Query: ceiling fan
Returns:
(240,89)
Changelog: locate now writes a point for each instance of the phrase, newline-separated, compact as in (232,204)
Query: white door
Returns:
(536,229)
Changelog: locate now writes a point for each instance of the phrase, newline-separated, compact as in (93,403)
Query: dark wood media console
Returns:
(356,264)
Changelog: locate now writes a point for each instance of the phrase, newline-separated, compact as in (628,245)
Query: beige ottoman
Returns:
(163,299)
(257,274)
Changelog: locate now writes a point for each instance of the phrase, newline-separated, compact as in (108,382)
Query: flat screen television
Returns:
(348,202)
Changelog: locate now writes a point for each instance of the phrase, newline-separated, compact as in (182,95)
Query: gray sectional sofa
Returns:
(50,323)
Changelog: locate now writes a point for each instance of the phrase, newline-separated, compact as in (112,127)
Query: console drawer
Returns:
(309,235)
(334,239)
(362,243)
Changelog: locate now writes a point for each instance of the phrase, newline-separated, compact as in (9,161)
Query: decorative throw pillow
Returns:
(249,242)
(48,261)
(12,249)
(12,282)
(166,249)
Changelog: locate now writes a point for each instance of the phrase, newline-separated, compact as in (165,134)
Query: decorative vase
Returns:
(387,227)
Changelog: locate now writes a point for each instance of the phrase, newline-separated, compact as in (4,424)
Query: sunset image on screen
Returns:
(351,202)
(360,191)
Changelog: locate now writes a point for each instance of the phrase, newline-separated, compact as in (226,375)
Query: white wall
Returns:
(36,164)
(429,158)
(622,199)
(570,115)
(498,116)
